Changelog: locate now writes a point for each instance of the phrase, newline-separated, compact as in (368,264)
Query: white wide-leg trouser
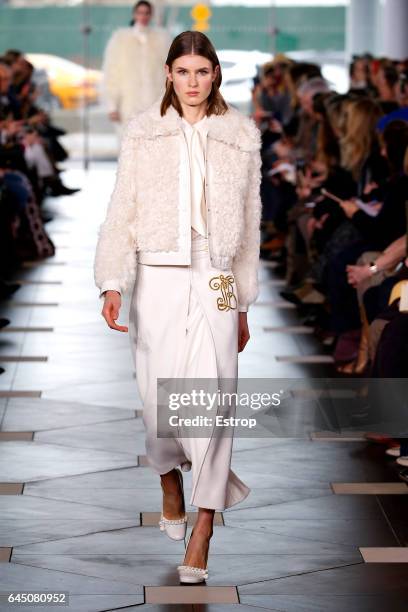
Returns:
(183,325)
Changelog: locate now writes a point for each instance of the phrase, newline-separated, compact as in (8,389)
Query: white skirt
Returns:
(184,324)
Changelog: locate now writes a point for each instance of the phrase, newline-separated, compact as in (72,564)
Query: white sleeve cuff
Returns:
(242,308)
(109,285)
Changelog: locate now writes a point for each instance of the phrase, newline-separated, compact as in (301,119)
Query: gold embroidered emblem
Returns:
(227,301)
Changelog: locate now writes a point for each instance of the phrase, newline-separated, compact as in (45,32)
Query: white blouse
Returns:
(140,32)
(196,138)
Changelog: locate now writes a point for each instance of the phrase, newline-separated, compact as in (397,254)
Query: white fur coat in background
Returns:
(134,74)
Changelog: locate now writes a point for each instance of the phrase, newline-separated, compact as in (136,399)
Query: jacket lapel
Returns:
(229,128)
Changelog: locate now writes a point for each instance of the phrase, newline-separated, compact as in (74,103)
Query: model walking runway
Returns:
(183,226)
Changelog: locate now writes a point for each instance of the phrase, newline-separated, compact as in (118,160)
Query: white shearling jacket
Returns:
(133,71)
(146,219)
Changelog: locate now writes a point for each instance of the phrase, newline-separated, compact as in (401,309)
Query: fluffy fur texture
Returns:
(134,71)
(143,209)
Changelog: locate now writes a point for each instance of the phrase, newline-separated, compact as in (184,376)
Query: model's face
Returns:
(192,77)
(142,15)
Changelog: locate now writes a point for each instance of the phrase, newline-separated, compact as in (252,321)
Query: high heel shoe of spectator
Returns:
(54,187)
(7,289)
(358,366)
(274,244)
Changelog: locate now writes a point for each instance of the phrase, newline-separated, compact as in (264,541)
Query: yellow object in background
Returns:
(201,14)
(400,291)
(72,85)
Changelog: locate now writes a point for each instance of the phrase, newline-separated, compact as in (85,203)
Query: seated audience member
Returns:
(29,152)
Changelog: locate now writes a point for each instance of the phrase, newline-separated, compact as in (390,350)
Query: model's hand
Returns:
(243,331)
(110,310)
(114,116)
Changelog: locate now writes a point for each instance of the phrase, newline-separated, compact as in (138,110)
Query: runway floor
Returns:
(324,528)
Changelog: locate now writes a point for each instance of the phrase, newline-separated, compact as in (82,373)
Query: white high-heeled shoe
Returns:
(175,528)
(191,574)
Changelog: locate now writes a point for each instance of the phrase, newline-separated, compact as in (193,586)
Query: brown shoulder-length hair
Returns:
(194,43)
(361,135)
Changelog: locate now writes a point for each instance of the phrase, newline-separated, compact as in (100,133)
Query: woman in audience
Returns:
(29,150)
(387,80)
